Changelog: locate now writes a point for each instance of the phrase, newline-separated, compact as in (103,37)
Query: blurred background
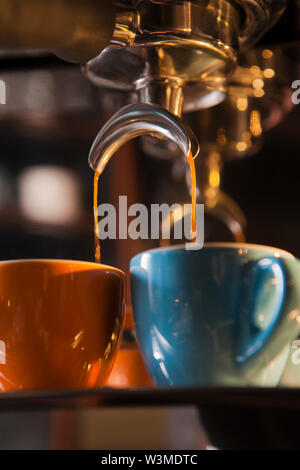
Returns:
(51,116)
(248,174)
(249,150)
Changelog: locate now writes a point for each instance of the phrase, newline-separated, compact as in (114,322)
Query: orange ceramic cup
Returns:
(60,323)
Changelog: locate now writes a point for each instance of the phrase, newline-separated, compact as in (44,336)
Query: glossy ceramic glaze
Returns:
(60,323)
(222,315)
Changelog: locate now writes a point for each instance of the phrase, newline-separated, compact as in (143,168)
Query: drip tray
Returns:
(225,418)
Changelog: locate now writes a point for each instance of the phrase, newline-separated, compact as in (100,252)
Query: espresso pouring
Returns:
(95,206)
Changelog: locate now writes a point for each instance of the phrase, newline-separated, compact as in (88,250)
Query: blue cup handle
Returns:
(263,311)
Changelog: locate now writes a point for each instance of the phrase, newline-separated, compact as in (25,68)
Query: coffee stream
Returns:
(96,227)
(190,160)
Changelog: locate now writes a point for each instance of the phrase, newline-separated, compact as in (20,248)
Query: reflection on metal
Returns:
(258,98)
(180,53)
(262,81)
(136,120)
(176,54)
(2,352)
(41,95)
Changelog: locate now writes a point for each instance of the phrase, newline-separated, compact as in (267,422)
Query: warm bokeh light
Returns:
(258,92)
(269,73)
(241,146)
(214,165)
(254,69)
(242,103)
(214,178)
(258,83)
(267,54)
(50,195)
(255,123)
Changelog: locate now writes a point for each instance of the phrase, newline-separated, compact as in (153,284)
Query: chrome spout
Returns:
(137,120)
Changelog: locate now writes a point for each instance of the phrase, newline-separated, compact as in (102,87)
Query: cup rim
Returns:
(277,252)
(91,264)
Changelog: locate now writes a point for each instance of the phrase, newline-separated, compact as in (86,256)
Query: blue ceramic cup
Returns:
(222,315)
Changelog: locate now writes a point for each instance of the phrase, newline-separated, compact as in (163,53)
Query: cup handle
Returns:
(268,309)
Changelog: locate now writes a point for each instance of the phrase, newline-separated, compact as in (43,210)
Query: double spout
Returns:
(135,121)
(167,52)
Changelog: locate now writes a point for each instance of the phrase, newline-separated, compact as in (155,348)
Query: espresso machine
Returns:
(210,76)
(182,56)
(194,60)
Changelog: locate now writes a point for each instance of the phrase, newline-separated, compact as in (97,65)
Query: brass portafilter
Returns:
(180,54)
(162,51)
